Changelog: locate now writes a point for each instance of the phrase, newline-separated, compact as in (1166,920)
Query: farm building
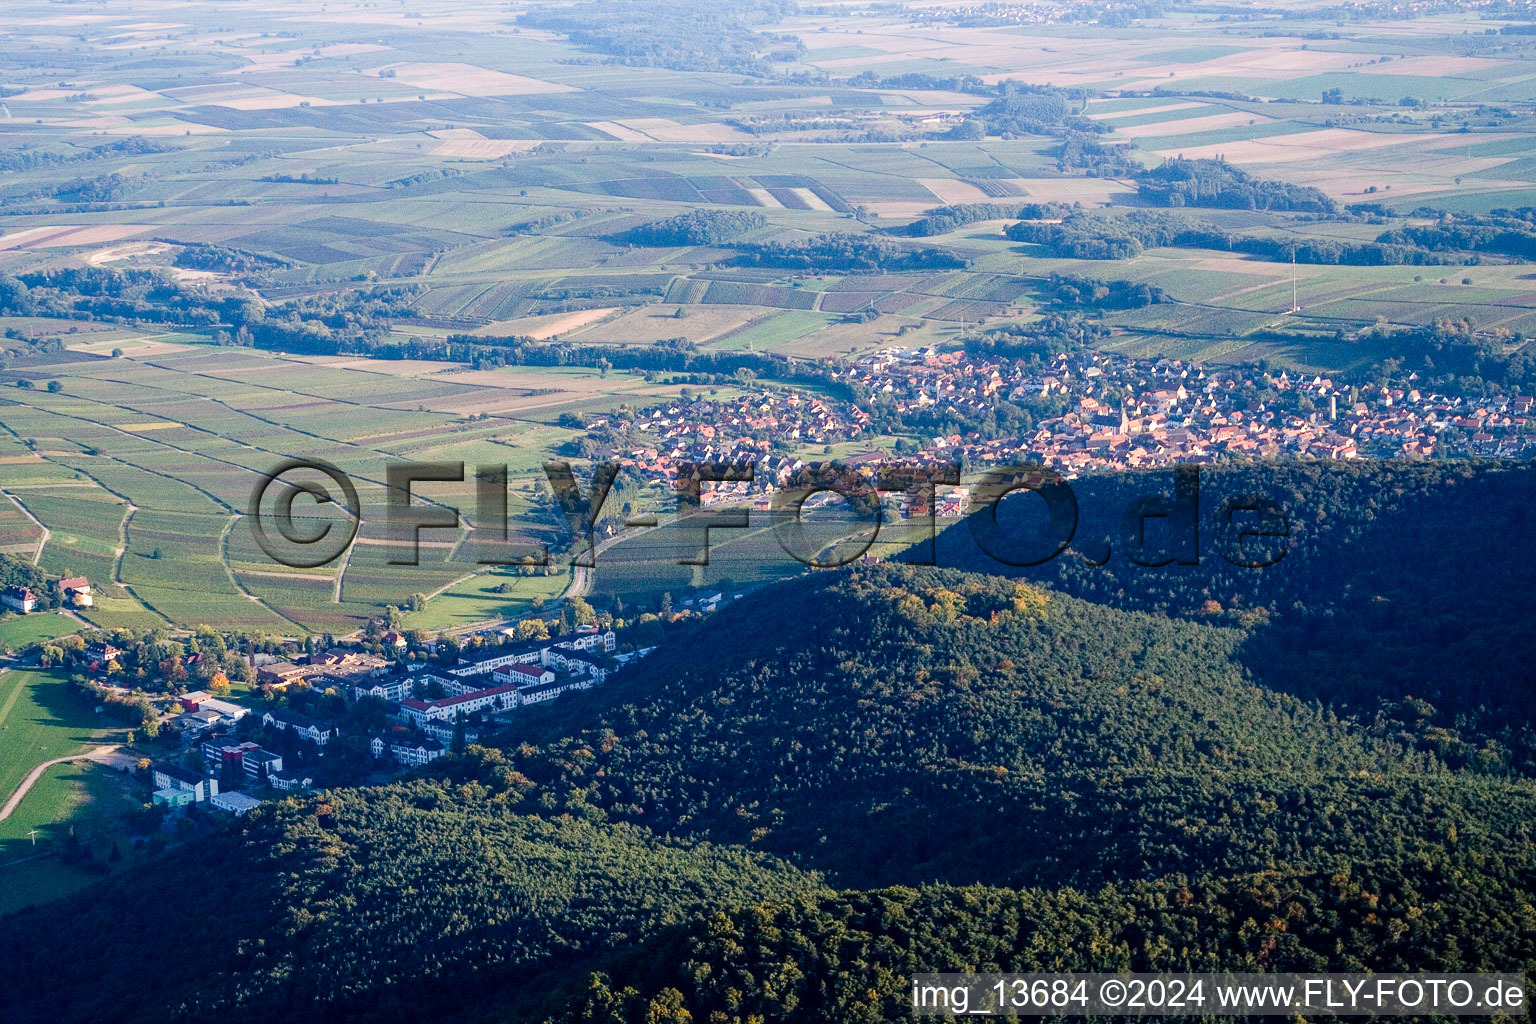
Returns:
(76,591)
(173,797)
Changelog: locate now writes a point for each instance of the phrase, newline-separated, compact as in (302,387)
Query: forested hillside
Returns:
(900,726)
(903,734)
(850,957)
(1406,590)
(354,905)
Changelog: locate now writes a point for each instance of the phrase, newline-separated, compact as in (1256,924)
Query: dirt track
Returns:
(101,755)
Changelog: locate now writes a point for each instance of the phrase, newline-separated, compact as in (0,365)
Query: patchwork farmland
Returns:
(162,529)
(464,214)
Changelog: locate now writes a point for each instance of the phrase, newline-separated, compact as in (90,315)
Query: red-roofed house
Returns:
(76,591)
(18,599)
(497,698)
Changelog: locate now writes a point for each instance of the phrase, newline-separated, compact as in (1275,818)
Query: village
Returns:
(1076,413)
(235,756)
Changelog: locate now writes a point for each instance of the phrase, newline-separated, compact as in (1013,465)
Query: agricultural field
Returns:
(312,314)
(82,797)
(486,597)
(163,529)
(640,569)
(487,182)
(41,720)
(21,630)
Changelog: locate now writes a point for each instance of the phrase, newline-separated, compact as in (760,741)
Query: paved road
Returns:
(582,576)
(101,755)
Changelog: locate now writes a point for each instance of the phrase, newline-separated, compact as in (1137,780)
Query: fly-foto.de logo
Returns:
(307,513)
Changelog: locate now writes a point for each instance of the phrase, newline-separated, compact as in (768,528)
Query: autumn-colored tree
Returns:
(531,629)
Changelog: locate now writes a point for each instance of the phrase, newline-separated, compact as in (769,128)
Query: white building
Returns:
(546,691)
(18,599)
(593,640)
(173,776)
(305,728)
(289,781)
(235,802)
(523,675)
(595,669)
(195,723)
(496,698)
(498,658)
(443,732)
(231,712)
(76,591)
(392,688)
(410,753)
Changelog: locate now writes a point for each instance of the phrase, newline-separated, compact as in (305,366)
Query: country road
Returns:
(100,755)
(581,575)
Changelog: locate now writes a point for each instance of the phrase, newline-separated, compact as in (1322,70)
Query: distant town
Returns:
(1104,412)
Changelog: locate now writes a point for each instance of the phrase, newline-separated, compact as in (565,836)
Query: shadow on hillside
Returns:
(62,708)
(1401,580)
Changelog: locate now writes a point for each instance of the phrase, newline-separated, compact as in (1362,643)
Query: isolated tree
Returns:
(581,611)
(531,629)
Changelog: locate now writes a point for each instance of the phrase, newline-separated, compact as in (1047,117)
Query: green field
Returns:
(20,630)
(652,234)
(85,800)
(184,551)
(774,333)
(477,600)
(41,720)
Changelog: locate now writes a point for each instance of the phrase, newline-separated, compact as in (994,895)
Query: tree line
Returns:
(1086,235)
